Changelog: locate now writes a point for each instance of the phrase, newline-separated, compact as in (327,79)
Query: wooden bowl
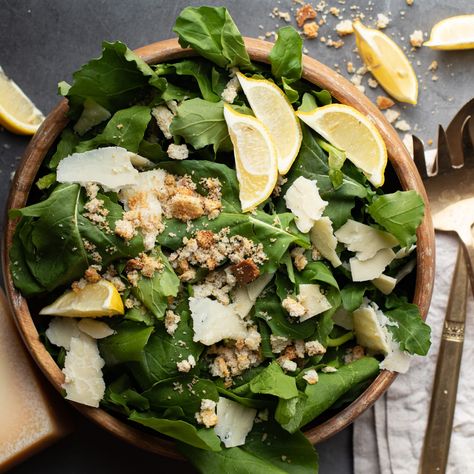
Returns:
(314,72)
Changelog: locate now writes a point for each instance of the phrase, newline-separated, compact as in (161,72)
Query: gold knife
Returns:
(443,399)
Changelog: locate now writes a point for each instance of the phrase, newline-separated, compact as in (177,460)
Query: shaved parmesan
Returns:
(396,361)
(110,167)
(363,270)
(343,318)
(364,239)
(323,239)
(304,201)
(313,300)
(95,329)
(244,297)
(61,330)
(92,114)
(385,283)
(370,331)
(234,422)
(213,321)
(83,372)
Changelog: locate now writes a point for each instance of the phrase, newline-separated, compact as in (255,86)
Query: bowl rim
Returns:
(314,72)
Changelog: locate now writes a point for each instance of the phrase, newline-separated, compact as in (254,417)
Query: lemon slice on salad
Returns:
(456,32)
(349,130)
(17,113)
(387,62)
(255,157)
(271,106)
(94,300)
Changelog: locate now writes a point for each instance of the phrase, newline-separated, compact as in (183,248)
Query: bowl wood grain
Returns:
(314,72)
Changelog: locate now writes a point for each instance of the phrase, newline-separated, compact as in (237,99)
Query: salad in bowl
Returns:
(210,252)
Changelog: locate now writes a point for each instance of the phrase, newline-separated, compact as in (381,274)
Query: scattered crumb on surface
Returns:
(384,102)
(372,83)
(391,115)
(416,39)
(382,21)
(344,28)
(350,67)
(334,44)
(304,13)
(410,2)
(402,125)
(310,30)
(433,66)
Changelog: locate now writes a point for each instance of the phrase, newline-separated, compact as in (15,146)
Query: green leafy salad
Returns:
(166,304)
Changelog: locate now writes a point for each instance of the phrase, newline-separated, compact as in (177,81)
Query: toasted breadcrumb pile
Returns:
(209,250)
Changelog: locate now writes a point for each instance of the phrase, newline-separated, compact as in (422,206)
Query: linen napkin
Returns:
(388,438)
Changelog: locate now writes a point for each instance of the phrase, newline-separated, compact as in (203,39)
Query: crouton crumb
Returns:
(245,271)
(384,102)
(306,12)
(177,152)
(207,415)
(310,30)
(416,39)
(311,376)
(344,28)
(382,21)
(293,307)
(186,365)
(171,321)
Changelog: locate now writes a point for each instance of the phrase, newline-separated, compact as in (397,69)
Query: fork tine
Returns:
(443,158)
(454,132)
(467,132)
(419,157)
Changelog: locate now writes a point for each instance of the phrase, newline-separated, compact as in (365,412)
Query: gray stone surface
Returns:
(44,41)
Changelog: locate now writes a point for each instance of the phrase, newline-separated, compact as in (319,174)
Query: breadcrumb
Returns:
(310,30)
(403,125)
(314,348)
(231,90)
(384,103)
(344,28)
(186,365)
(311,376)
(288,365)
(171,321)
(416,39)
(279,343)
(207,415)
(293,307)
(163,117)
(177,152)
(433,66)
(382,21)
(391,115)
(372,83)
(306,12)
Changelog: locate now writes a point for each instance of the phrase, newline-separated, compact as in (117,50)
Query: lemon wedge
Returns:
(456,32)
(271,106)
(93,301)
(349,130)
(387,62)
(17,113)
(255,157)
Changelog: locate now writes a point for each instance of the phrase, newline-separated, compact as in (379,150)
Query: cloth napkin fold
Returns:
(388,438)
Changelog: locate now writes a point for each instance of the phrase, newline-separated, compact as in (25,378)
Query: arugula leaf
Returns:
(201,70)
(205,439)
(201,123)
(269,309)
(127,344)
(211,32)
(273,381)
(308,103)
(399,213)
(154,292)
(312,163)
(54,241)
(163,351)
(46,181)
(287,54)
(125,129)
(268,449)
(352,295)
(332,386)
(411,332)
(316,271)
(120,396)
(292,94)
(116,79)
(186,392)
(336,159)
(65,147)
(249,401)
(289,413)
(152,151)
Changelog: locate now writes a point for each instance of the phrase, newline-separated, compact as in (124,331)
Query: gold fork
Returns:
(451,195)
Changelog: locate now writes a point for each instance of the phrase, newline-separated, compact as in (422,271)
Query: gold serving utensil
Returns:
(451,195)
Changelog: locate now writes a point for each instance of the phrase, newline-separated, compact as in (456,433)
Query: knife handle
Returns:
(443,400)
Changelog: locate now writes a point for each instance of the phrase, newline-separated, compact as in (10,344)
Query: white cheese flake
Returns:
(245,296)
(92,114)
(95,329)
(213,321)
(313,300)
(364,239)
(304,201)
(385,283)
(323,238)
(83,372)
(61,330)
(343,318)
(110,167)
(234,422)
(372,268)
